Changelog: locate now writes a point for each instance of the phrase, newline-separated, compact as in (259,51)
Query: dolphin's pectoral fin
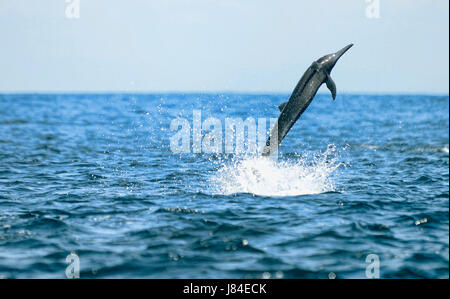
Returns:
(281,107)
(331,86)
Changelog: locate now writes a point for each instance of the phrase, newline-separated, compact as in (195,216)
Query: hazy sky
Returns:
(221,45)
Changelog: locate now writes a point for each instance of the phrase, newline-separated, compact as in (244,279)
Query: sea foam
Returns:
(270,177)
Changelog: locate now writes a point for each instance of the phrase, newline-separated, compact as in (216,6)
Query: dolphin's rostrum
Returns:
(317,74)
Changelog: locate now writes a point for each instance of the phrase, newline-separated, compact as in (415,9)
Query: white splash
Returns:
(267,177)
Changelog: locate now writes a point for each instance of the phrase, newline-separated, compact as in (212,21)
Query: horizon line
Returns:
(268,92)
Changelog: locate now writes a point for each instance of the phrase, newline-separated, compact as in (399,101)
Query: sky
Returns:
(222,45)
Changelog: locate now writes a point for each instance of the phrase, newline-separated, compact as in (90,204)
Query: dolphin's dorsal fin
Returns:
(281,107)
(331,86)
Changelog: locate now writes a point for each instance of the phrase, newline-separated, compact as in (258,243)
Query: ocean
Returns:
(359,188)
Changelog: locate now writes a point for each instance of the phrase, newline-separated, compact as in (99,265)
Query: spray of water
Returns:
(266,177)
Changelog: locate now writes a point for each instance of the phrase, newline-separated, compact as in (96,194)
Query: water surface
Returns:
(95,175)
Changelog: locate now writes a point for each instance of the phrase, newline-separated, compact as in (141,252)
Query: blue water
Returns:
(95,175)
